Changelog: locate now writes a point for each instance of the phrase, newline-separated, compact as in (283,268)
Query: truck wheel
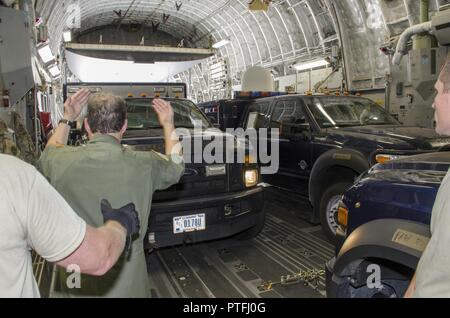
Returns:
(254,230)
(329,205)
(387,289)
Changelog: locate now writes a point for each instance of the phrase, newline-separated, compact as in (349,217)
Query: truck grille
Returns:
(194,183)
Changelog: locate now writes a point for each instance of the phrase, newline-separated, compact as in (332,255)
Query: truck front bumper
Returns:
(226,215)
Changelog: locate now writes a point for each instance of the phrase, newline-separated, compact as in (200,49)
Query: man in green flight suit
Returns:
(104,168)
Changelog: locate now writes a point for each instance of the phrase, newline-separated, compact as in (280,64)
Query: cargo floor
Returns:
(229,268)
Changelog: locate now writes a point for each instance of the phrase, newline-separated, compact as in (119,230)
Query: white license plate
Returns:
(190,223)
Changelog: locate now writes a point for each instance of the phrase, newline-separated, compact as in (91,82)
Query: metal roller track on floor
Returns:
(250,269)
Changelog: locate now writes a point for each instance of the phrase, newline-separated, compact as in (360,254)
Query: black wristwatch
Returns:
(67,122)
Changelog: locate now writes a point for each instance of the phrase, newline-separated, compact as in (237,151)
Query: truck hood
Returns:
(158,133)
(196,181)
(155,137)
(396,137)
(400,189)
(424,168)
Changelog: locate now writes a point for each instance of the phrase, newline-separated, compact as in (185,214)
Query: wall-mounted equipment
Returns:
(441,27)
(16,75)
(424,68)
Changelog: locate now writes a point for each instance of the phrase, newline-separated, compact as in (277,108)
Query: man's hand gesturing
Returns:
(75,104)
(165,113)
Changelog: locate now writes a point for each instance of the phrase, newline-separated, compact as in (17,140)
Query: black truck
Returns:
(327,141)
(212,200)
(226,113)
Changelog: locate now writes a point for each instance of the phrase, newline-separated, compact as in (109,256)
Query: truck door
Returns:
(290,117)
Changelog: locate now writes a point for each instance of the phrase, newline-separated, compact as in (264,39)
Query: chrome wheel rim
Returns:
(332,213)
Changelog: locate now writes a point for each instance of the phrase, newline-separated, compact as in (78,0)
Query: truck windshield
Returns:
(342,111)
(141,115)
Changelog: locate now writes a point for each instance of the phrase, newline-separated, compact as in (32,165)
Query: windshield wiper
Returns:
(159,127)
(349,125)
(379,124)
(185,126)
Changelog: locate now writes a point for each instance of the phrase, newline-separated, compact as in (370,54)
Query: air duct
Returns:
(424,11)
(402,46)
(424,41)
(439,27)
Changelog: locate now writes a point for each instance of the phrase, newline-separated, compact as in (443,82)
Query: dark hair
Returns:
(445,75)
(106,113)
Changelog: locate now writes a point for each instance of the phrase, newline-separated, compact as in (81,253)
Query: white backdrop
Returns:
(89,69)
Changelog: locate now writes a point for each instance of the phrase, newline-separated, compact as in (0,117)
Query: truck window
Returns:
(348,112)
(141,115)
(288,113)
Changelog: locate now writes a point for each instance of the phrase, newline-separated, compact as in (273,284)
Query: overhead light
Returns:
(46,54)
(67,36)
(54,70)
(216,66)
(310,65)
(220,44)
(218,75)
(218,70)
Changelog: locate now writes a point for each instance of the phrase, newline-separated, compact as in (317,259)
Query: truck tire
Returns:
(388,286)
(254,230)
(329,207)
(388,289)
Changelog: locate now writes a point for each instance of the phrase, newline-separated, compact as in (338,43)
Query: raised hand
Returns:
(75,104)
(165,113)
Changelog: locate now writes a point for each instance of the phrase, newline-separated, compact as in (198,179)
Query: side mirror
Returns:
(301,128)
(299,132)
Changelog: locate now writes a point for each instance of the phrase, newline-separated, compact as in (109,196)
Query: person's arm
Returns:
(99,251)
(166,118)
(412,288)
(60,236)
(72,110)
(102,247)
(170,168)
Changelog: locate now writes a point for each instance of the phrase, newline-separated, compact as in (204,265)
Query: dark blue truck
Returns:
(384,220)
(326,142)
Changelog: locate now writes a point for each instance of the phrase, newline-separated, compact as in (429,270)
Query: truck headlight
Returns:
(251,178)
(383,158)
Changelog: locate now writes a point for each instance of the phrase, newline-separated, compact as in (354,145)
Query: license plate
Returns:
(190,223)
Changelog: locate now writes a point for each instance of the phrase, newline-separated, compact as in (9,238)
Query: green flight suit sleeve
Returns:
(167,170)
(49,158)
